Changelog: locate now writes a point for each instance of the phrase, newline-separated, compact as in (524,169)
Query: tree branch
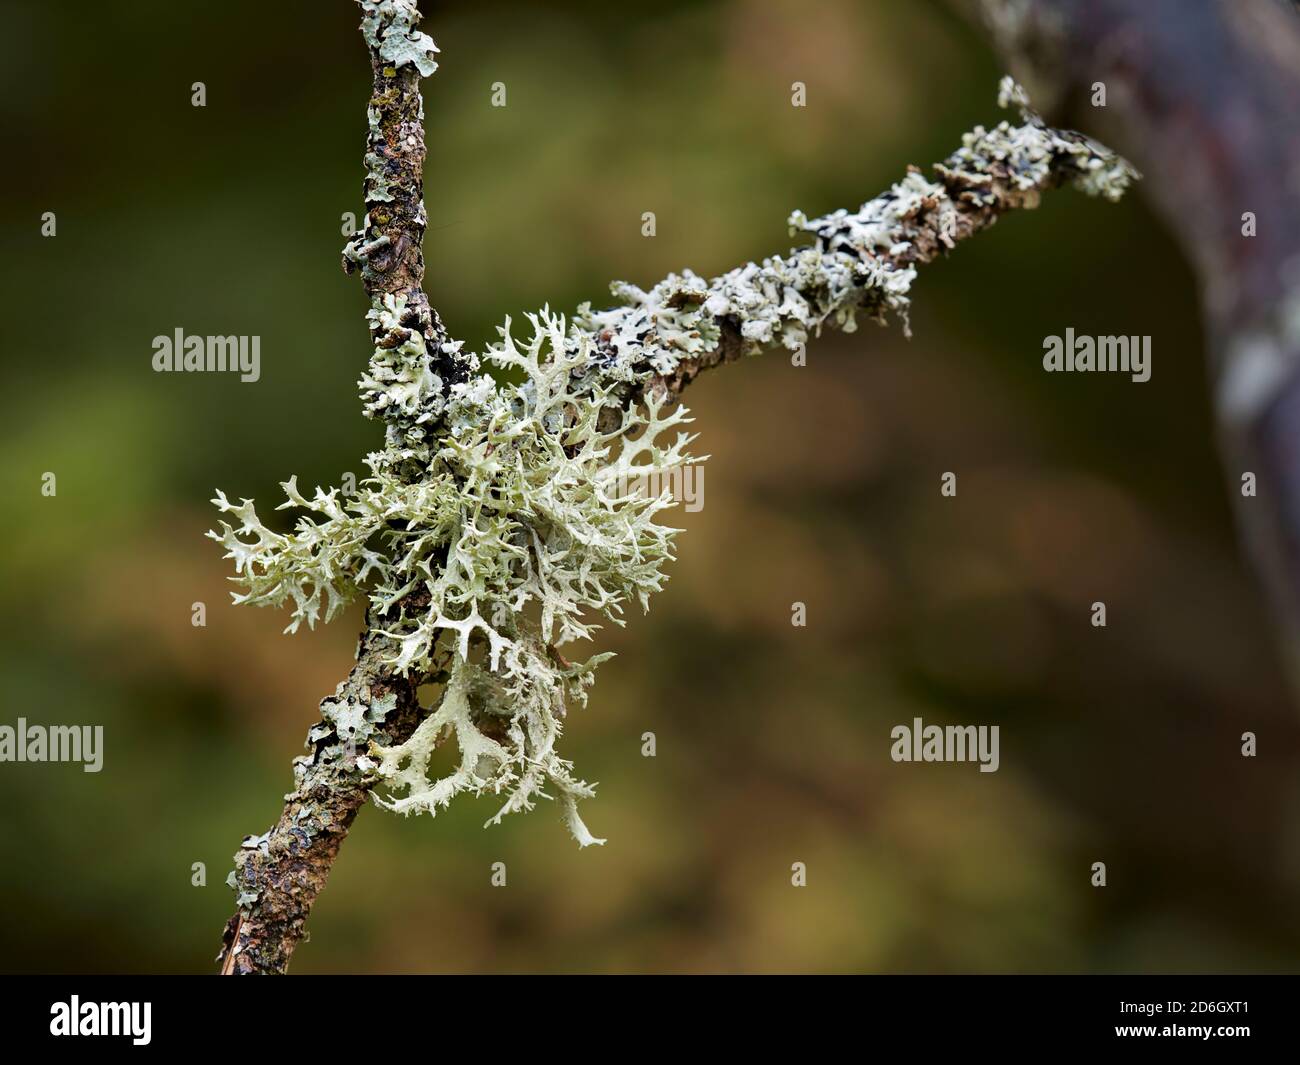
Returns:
(917,221)
(278,875)
(389,249)
(656,342)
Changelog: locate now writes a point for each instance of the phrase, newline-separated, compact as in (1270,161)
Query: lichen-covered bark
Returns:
(1205,97)
(279,874)
(989,177)
(389,250)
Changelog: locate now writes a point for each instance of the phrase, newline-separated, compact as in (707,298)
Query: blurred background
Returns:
(1119,744)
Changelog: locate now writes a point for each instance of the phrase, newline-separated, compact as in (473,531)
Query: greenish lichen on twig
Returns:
(526,522)
(502,519)
(502,501)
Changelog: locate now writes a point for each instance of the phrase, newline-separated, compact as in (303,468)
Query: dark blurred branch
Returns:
(1204,95)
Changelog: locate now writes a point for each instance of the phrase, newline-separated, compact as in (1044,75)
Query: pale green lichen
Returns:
(853,267)
(389,27)
(523,703)
(1029,151)
(497,526)
(399,385)
(517,531)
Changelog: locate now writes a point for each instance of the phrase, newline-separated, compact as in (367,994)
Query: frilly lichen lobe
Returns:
(389,28)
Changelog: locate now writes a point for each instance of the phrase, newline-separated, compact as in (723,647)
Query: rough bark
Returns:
(279,874)
(389,251)
(1204,96)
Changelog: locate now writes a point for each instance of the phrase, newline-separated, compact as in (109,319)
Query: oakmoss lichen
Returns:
(521,530)
(504,509)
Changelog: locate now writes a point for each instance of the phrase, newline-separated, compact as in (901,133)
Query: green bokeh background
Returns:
(1119,745)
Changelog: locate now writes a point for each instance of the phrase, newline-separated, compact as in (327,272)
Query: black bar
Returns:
(926,1013)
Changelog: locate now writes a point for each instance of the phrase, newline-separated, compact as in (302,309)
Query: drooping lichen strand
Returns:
(506,723)
(501,520)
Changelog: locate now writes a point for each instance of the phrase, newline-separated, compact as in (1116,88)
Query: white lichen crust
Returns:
(506,510)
